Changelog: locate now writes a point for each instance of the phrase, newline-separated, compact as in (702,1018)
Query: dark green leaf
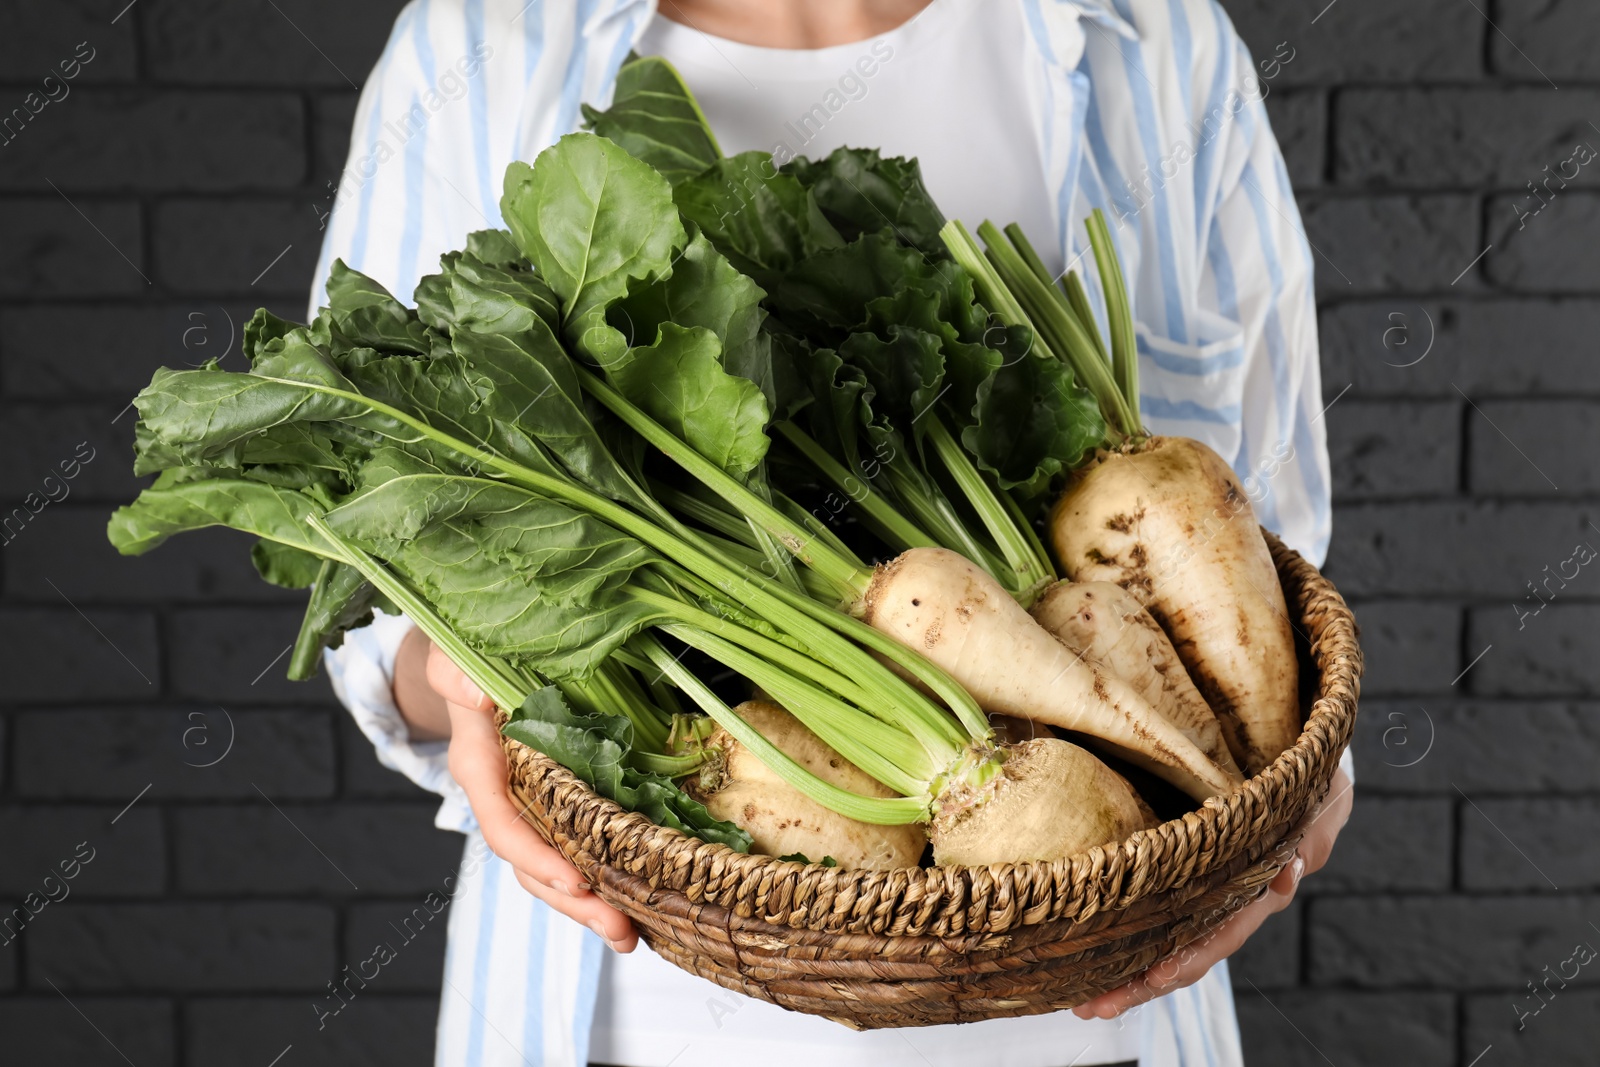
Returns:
(905,369)
(864,192)
(473,295)
(762,220)
(341,600)
(654,116)
(1034,421)
(495,248)
(178,502)
(595,748)
(284,565)
(368,316)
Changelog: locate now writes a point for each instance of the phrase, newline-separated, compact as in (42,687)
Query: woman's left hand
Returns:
(1190,964)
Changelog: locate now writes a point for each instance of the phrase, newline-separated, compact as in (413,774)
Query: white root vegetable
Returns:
(781,820)
(1108,626)
(1051,799)
(952,612)
(1169,522)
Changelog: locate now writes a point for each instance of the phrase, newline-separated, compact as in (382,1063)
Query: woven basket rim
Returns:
(603,839)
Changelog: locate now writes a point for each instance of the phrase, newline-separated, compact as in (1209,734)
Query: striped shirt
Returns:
(1148,109)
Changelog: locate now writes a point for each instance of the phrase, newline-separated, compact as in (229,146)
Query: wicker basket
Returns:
(918,946)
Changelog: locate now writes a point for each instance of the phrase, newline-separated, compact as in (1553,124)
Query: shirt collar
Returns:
(1106,14)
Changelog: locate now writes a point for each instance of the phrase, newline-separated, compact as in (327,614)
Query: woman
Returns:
(1035,111)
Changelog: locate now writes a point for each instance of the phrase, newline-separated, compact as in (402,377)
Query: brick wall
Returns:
(178,185)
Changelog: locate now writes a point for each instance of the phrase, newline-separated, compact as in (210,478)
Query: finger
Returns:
(611,925)
(478,764)
(1191,963)
(1323,826)
(450,682)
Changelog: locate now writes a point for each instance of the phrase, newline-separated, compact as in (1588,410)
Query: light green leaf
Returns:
(680,382)
(593,220)
(705,290)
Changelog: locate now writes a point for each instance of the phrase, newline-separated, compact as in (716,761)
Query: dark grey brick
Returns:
(1524,1034)
(36,39)
(374,1030)
(47,248)
(1386,244)
(120,139)
(389,849)
(1424,40)
(111,755)
(1300,123)
(1561,436)
(1408,647)
(1450,548)
(1432,747)
(76,351)
(99,654)
(1416,1029)
(1470,342)
(110,1032)
(413,931)
(1440,942)
(1514,844)
(332,116)
(248,42)
(66,453)
(232,654)
(361,773)
(199,947)
(205,565)
(1547,253)
(1556,37)
(1390,844)
(1551,653)
(126,858)
(231,247)
(1399,449)
(1495,136)
(1270,959)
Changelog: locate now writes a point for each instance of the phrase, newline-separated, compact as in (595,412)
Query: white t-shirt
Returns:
(899,92)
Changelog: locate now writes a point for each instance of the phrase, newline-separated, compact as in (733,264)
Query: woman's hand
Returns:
(478,764)
(1190,964)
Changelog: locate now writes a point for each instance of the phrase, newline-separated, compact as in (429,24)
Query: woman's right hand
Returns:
(424,678)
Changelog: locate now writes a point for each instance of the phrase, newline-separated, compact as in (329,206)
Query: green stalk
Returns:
(932,735)
(877,512)
(897,811)
(885,753)
(670,766)
(1024,248)
(1119,316)
(1028,569)
(850,575)
(992,291)
(1078,300)
(880,693)
(1060,326)
(1071,285)
(723,522)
